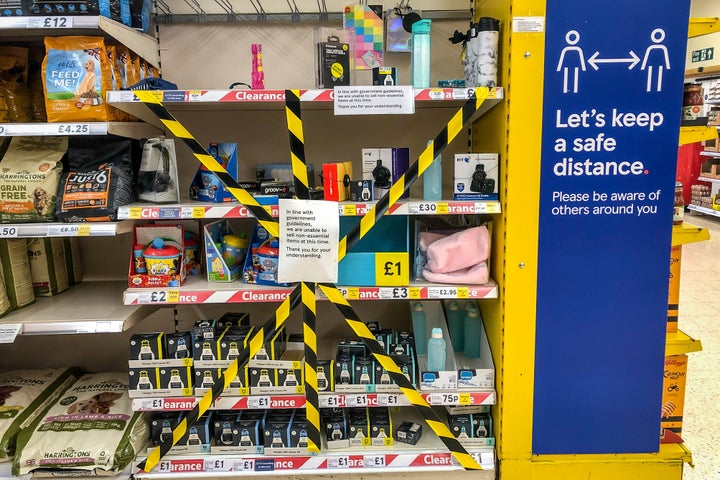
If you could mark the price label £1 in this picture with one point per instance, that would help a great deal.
(392, 269)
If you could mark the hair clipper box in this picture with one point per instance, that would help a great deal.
(197, 437)
(162, 426)
(384, 166)
(143, 380)
(178, 345)
(233, 319)
(326, 375)
(381, 432)
(177, 379)
(232, 342)
(205, 350)
(204, 330)
(361, 191)
(358, 427)
(408, 432)
(335, 425)
(476, 176)
(205, 378)
(146, 346)
(276, 430)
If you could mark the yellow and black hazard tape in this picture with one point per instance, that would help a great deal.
(431, 418)
(175, 127)
(312, 401)
(258, 338)
(414, 171)
(297, 143)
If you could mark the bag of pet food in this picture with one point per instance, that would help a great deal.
(5, 305)
(140, 13)
(63, 7)
(73, 262)
(25, 394)
(91, 428)
(29, 175)
(17, 97)
(37, 96)
(135, 77)
(118, 10)
(16, 272)
(47, 266)
(99, 179)
(77, 75)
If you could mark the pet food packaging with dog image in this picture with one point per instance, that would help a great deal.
(92, 427)
(24, 394)
(29, 175)
(77, 74)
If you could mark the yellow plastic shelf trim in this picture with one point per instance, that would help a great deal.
(697, 134)
(678, 343)
(703, 26)
(688, 233)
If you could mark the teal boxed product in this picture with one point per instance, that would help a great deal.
(206, 187)
(225, 252)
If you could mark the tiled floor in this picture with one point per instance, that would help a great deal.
(700, 318)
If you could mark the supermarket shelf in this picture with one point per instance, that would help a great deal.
(35, 28)
(337, 400)
(254, 100)
(429, 455)
(697, 134)
(688, 233)
(710, 154)
(191, 210)
(198, 291)
(123, 129)
(705, 178)
(707, 211)
(6, 474)
(90, 229)
(680, 342)
(61, 314)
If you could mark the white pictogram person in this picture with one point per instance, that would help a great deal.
(571, 57)
(656, 55)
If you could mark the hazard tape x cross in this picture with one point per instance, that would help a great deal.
(304, 293)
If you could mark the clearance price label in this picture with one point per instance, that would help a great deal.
(392, 269)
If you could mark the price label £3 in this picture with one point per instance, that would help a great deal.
(392, 269)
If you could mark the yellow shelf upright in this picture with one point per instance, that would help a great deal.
(703, 26)
(697, 134)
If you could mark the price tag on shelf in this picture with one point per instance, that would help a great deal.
(354, 400)
(259, 402)
(135, 213)
(463, 292)
(353, 293)
(391, 269)
(387, 400)
(80, 230)
(151, 404)
(9, 332)
(173, 296)
(244, 465)
(153, 297)
(349, 210)
(415, 293)
(442, 292)
(50, 22)
(332, 401)
(164, 466)
(374, 461)
(488, 207)
(218, 465)
(8, 231)
(443, 208)
(187, 212)
(69, 128)
(465, 399)
(444, 398)
(198, 212)
(338, 462)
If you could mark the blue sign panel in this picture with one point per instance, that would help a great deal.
(611, 120)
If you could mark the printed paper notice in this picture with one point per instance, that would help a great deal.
(309, 235)
(395, 100)
(9, 331)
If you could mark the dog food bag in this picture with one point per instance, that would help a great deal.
(77, 75)
(29, 175)
(91, 428)
(37, 96)
(99, 179)
(5, 305)
(16, 272)
(25, 394)
(47, 266)
(73, 262)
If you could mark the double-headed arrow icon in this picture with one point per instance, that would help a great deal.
(594, 60)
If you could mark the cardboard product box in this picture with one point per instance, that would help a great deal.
(232, 342)
(336, 180)
(205, 378)
(363, 371)
(179, 345)
(343, 372)
(282, 172)
(352, 348)
(278, 376)
(158, 271)
(261, 262)
(673, 398)
(476, 176)
(204, 330)
(146, 346)
(299, 432)
(384, 166)
(482, 425)
(205, 350)
(205, 186)
(198, 437)
(461, 425)
(235, 434)
(162, 426)
(408, 432)
(326, 375)
(336, 430)
(278, 189)
(220, 265)
(407, 366)
(276, 431)
(381, 428)
(358, 427)
(361, 191)
(233, 319)
(385, 337)
(178, 380)
(274, 349)
(384, 76)
(262, 378)
(143, 380)
(333, 63)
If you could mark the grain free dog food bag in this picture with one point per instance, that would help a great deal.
(47, 266)
(25, 394)
(29, 175)
(5, 305)
(16, 272)
(77, 75)
(91, 428)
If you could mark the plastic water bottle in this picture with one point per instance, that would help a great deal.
(432, 180)
(456, 316)
(473, 330)
(436, 351)
(420, 58)
(420, 329)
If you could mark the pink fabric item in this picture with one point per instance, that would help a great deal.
(476, 275)
(427, 238)
(458, 251)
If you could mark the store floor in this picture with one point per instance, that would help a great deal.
(700, 318)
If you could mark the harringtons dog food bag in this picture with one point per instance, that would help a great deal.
(77, 74)
(91, 427)
(29, 176)
(16, 272)
(48, 267)
(25, 394)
